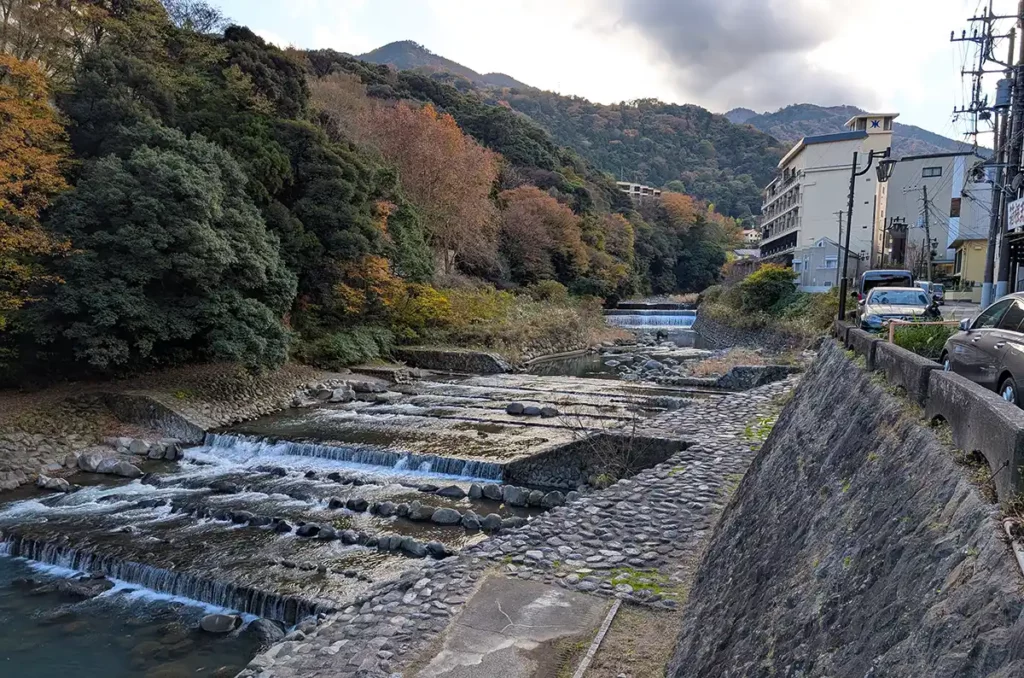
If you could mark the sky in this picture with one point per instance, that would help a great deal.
(882, 55)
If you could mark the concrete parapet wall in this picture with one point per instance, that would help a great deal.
(863, 343)
(981, 422)
(905, 368)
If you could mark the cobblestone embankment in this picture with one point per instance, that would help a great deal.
(638, 540)
(41, 432)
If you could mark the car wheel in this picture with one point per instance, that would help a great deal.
(947, 364)
(1008, 390)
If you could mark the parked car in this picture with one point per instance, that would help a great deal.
(936, 290)
(894, 303)
(869, 280)
(989, 349)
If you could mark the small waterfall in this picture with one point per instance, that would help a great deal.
(680, 318)
(288, 609)
(360, 454)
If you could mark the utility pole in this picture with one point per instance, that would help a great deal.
(839, 243)
(1016, 143)
(927, 231)
(980, 110)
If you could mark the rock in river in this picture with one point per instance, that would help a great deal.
(514, 408)
(453, 491)
(531, 411)
(266, 631)
(220, 623)
(491, 522)
(446, 516)
(54, 484)
(492, 492)
(308, 530)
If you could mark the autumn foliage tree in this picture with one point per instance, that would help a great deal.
(540, 238)
(32, 151)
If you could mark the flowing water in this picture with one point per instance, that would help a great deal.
(125, 633)
(210, 528)
(651, 318)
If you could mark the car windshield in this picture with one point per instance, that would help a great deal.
(937, 287)
(898, 297)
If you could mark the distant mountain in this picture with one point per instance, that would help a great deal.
(792, 123)
(406, 55)
(738, 116)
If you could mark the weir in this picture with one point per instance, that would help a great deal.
(269, 605)
(678, 318)
(357, 454)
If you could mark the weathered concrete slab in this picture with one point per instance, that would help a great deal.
(863, 343)
(905, 368)
(509, 628)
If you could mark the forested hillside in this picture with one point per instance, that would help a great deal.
(174, 190)
(792, 123)
(681, 147)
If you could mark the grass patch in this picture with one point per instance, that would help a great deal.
(639, 644)
(648, 580)
(758, 430)
(719, 365)
(924, 340)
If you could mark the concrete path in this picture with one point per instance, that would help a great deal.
(513, 629)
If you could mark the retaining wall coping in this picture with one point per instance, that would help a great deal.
(840, 328)
(905, 368)
(863, 343)
(981, 421)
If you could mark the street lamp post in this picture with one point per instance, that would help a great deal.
(884, 171)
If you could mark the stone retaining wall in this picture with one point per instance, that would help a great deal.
(980, 420)
(143, 410)
(854, 546)
(569, 466)
(720, 335)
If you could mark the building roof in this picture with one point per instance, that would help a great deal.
(963, 241)
(849, 122)
(820, 139)
(928, 156)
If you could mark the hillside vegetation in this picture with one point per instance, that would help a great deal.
(792, 123)
(174, 190)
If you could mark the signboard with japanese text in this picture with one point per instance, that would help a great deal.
(1015, 215)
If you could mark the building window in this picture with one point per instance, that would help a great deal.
(931, 172)
(831, 262)
(958, 262)
(798, 266)
(888, 124)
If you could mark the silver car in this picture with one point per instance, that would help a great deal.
(989, 349)
(893, 303)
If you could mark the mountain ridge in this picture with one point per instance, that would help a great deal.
(407, 55)
(792, 123)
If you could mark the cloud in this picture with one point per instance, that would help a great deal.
(756, 53)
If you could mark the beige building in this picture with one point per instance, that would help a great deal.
(958, 210)
(806, 201)
(751, 236)
(969, 261)
(639, 193)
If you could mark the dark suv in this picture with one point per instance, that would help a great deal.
(989, 350)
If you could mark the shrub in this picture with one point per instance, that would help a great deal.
(548, 290)
(766, 287)
(924, 340)
(336, 350)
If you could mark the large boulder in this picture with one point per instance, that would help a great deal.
(491, 522)
(327, 533)
(367, 387)
(453, 491)
(548, 412)
(535, 498)
(386, 508)
(514, 408)
(220, 623)
(53, 484)
(308, 530)
(475, 491)
(531, 411)
(553, 499)
(357, 504)
(342, 394)
(267, 632)
(446, 516)
(127, 470)
(90, 461)
(108, 466)
(437, 549)
(470, 520)
(418, 511)
(514, 496)
(413, 547)
(492, 492)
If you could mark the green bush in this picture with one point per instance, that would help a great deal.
(712, 294)
(348, 347)
(548, 290)
(924, 340)
(767, 287)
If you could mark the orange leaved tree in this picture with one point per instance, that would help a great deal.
(32, 149)
(540, 237)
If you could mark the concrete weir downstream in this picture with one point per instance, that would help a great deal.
(297, 514)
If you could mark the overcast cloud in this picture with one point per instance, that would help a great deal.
(753, 53)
